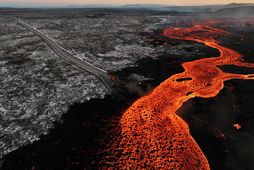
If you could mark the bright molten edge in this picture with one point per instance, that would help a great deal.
(153, 135)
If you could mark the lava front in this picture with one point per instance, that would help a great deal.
(153, 135)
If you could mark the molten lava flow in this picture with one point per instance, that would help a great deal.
(237, 126)
(154, 136)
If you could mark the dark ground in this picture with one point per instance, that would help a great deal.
(211, 120)
(88, 128)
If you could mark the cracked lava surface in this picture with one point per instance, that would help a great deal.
(153, 135)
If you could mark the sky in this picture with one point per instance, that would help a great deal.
(117, 2)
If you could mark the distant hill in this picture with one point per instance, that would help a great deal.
(236, 12)
(143, 5)
(189, 9)
(240, 4)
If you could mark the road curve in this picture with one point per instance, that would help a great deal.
(61, 52)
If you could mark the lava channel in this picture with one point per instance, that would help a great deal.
(153, 135)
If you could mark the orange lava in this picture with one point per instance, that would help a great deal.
(153, 135)
(237, 126)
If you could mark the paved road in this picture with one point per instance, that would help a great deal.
(61, 52)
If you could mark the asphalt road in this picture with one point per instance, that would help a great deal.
(81, 64)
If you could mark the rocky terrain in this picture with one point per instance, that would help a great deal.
(37, 86)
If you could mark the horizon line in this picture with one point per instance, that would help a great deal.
(60, 5)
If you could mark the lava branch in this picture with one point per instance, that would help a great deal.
(153, 135)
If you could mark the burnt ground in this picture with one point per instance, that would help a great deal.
(88, 128)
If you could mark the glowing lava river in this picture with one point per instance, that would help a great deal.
(153, 135)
